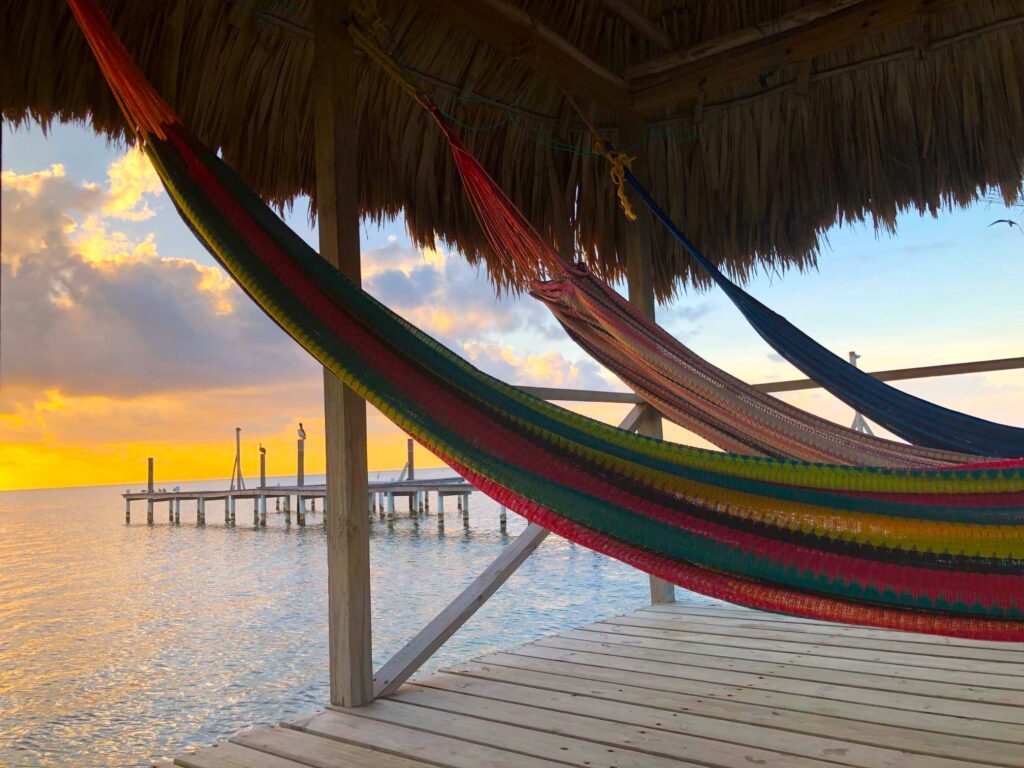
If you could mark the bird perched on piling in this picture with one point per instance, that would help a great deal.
(302, 432)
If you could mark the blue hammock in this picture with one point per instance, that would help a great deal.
(912, 418)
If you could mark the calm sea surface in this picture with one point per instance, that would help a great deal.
(120, 644)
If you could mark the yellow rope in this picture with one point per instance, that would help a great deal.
(618, 160)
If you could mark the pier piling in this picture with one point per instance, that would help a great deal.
(127, 511)
(149, 490)
(200, 511)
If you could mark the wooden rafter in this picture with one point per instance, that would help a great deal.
(748, 54)
(516, 33)
(628, 12)
(757, 33)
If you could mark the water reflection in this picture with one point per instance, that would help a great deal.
(120, 643)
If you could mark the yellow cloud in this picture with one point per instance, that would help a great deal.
(214, 281)
(130, 177)
(31, 182)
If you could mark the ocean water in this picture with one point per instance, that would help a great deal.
(121, 644)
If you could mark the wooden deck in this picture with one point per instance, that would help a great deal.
(679, 685)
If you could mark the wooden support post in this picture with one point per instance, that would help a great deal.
(231, 510)
(263, 467)
(263, 513)
(257, 505)
(127, 512)
(227, 510)
(177, 511)
(170, 511)
(391, 506)
(409, 461)
(300, 463)
(638, 245)
(200, 511)
(440, 511)
(300, 511)
(335, 72)
(465, 510)
(503, 519)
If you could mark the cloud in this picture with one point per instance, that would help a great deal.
(92, 311)
(130, 178)
(448, 298)
(548, 369)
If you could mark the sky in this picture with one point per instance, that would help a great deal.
(121, 339)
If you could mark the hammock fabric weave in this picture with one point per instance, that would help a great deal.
(919, 550)
(919, 421)
(682, 386)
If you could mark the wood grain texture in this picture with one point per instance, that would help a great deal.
(348, 538)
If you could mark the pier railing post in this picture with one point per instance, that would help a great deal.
(149, 490)
(335, 68)
(638, 247)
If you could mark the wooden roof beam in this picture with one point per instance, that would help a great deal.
(628, 12)
(747, 54)
(517, 34)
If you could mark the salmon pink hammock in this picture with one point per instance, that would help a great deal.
(938, 551)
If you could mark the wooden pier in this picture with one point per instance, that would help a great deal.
(381, 500)
(679, 685)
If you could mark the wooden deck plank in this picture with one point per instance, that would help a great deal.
(694, 746)
(944, 741)
(646, 723)
(905, 715)
(679, 686)
(848, 674)
(728, 627)
(765, 681)
(230, 755)
(910, 665)
(312, 750)
(439, 749)
(514, 738)
(738, 613)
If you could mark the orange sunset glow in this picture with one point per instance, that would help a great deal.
(116, 348)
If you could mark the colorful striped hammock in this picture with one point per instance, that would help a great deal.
(920, 550)
(685, 388)
(919, 421)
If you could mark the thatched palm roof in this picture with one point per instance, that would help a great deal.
(763, 122)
